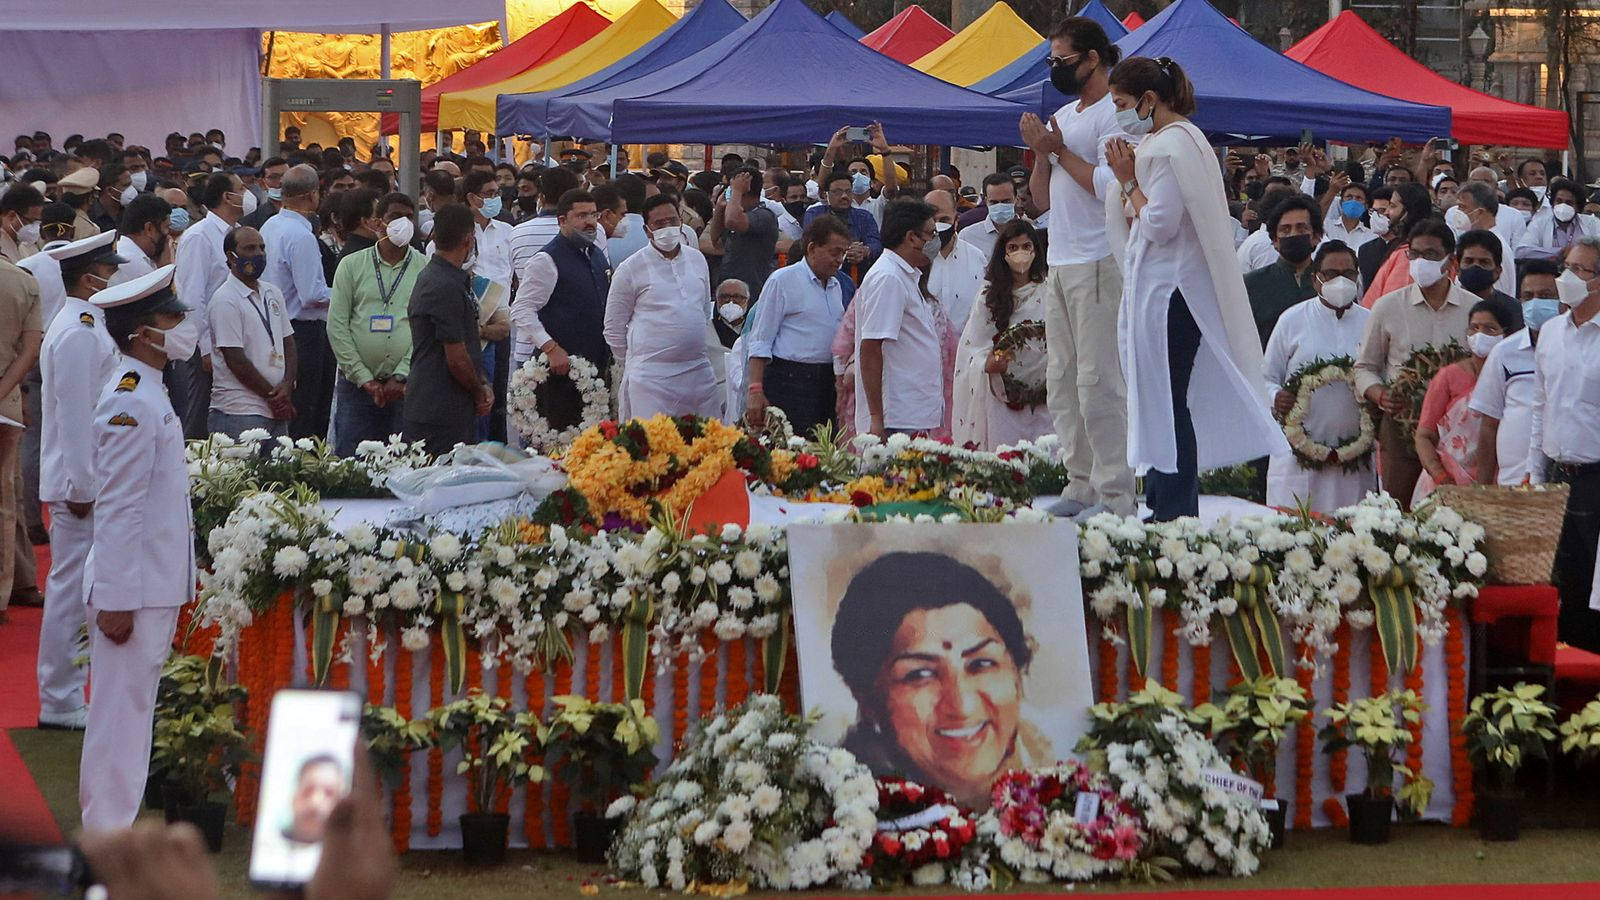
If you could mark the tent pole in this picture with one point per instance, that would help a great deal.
(614, 172)
(707, 165)
(383, 72)
(1333, 10)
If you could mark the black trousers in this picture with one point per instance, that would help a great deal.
(313, 386)
(1172, 495)
(804, 391)
(1578, 625)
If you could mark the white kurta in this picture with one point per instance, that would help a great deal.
(956, 281)
(1179, 241)
(1309, 331)
(656, 318)
(980, 415)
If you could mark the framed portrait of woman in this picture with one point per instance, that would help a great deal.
(944, 653)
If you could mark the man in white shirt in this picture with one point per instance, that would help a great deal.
(1257, 250)
(628, 235)
(202, 267)
(657, 313)
(1480, 207)
(775, 185)
(1565, 445)
(790, 336)
(898, 342)
(1557, 223)
(145, 240)
(253, 356)
(1000, 199)
(1086, 391)
(956, 278)
(1345, 220)
(294, 267)
(1504, 393)
(531, 235)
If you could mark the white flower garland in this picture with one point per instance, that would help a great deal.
(524, 409)
(1312, 453)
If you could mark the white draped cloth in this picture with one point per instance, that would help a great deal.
(1306, 332)
(1181, 241)
(980, 415)
(656, 318)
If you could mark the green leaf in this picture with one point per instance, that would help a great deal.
(1242, 640)
(1139, 626)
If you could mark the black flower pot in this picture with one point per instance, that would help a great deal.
(593, 835)
(483, 838)
(1369, 818)
(1499, 815)
(205, 815)
(1277, 821)
(154, 790)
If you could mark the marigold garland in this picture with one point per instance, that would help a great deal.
(533, 794)
(1304, 754)
(1455, 656)
(560, 833)
(435, 755)
(339, 676)
(1169, 648)
(709, 646)
(400, 823)
(626, 468)
(1339, 762)
(1108, 671)
(1413, 682)
(1380, 667)
(680, 698)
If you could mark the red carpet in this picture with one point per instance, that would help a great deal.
(24, 817)
(1425, 892)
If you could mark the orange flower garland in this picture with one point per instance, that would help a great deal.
(560, 834)
(708, 673)
(1455, 657)
(474, 682)
(1414, 749)
(1200, 656)
(619, 677)
(400, 825)
(680, 698)
(435, 755)
(1169, 649)
(1338, 762)
(1304, 755)
(533, 794)
(1108, 671)
(607, 476)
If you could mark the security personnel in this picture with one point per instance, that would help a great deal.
(74, 364)
(141, 561)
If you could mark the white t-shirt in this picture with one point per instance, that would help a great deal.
(893, 310)
(1505, 392)
(1078, 223)
(257, 322)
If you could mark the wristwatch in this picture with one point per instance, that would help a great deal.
(1129, 186)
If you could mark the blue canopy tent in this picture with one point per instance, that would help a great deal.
(1031, 68)
(843, 23)
(1247, 92)
(708, 22)
(714, 97)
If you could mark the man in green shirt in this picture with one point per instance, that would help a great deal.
(369, 330)
(1295, 224)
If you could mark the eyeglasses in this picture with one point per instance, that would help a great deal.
(1583, 272)
(1329, 275)
(1055, 62)
(1429, 255)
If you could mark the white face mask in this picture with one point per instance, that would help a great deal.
(1131, 122)
(246, 201)
(399, 231)
(1427, 273)
(28, 234)
(1564, 212)
(1458, 220)
(1480, 343)
(1527, 215)
(1378, 222)
(1339, 292)
(1571, 288)
(730, 312)
(666, 239)
(128, 195)
(140, 179)
(1538, 191)
(179, 341)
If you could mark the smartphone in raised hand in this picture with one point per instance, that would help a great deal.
(306, 770)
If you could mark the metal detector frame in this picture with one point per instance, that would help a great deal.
(382, 95)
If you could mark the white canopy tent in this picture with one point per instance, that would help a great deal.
(148, 67)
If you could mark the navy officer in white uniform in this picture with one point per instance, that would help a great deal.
(141, 561)
(74, 363)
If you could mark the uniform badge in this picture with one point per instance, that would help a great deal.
(124, 420)
(128, 383)
(86, 319)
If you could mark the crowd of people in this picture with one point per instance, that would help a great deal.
(1130, 290)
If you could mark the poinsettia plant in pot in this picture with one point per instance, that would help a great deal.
(497, 748)
(1504, 729)
(602, 751)
(1249, 724)
(1378, 728)
(198, 746)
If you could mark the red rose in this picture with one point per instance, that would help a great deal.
(806, 461)
(609, 429)
(888, 843)
(860, 498)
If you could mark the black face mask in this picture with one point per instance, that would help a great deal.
(1065, 79)
(1296, 248)
(1475, 278)
(946, 236)
(797, 208)
(528, 204)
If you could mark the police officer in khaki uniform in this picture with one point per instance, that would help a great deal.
(74, 364)
(140, 567)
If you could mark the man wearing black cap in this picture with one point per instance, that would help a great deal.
(74, 363)
(140, 566)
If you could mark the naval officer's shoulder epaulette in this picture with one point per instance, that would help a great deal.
(128, 382)
(86, 319)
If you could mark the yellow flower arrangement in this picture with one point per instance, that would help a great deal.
(870, 490)
(602, 466)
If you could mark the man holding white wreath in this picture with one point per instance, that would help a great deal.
(1323, 418)
(657, 313)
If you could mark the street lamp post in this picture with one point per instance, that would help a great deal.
(1478, 43)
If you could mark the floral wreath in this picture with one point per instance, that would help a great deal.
(921, 834)
(1019, 394)
(661, 464)
(1350, 453)
(1065, 822)
(1410, 383)
(524, 407)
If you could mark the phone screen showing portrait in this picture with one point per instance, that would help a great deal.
(306, 771)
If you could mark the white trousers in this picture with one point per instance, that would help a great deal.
(116, 745)
(61, 682)
(1084, 387)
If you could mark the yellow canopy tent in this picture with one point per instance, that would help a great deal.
(523, 16)
(981, 49)
(474, 109)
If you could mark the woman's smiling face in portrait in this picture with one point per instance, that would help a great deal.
(952, 697)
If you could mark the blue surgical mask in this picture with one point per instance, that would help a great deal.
(275, 194)
(179, 220)
(1353, 209)
(860, 183)
(1540, 310)
(1132, 123)
(491, 207)
(1001, 213)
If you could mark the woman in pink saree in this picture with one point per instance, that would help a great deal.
(1447, 431)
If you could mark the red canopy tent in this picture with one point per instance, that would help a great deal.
(1350, 50)
(909, 36)
(1133, 20)
(576, 24)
